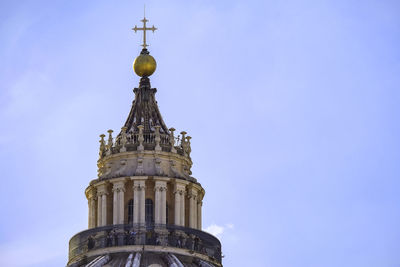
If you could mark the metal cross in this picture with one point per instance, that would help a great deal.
(144, 29)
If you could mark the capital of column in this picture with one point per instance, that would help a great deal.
(160, 188)
(119, 186)
(118, 189)
(192, 193)
(90, 192)
(179, 192)
(192, 196)
(180, 187)
(200, 195)
(102, 189)
(139, 187)
(160, 185)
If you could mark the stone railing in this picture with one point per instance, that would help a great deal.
(139, 141)
(156, 235)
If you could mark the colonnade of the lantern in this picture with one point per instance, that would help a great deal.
(184, 193)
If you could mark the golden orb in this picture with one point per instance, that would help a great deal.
(144, 65)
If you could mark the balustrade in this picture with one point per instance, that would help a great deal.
(148, 234)
(132, 141)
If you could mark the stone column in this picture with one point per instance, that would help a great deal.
(139, 195)
(160, 189)
(121, 207)
(92, 223)
(115, 205)
(99, 209)
(118, 204)
(102, 204)
(177, 208)
(199, 206)
(157, 198)
(142, 211)
(192, 207)
(182, 200)
(91, 197)
(179, 191)
(164, 204)
(136, 189)
(104, 209)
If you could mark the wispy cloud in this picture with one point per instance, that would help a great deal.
(218, 230)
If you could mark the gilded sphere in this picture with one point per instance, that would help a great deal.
(144, 65)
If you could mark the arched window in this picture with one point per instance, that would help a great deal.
(130, 211)
(149, 211)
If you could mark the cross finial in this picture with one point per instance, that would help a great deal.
(144, 29)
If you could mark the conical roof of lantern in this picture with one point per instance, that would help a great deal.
(145, 110)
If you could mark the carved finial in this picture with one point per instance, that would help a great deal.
(102, 145)
(188, 148)
(157, 138)
(109, 142)
(123, 139)
(183, 133)
(172, 140)
(140, 138)
(183, 142)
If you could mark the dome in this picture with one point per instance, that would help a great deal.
(144, 65)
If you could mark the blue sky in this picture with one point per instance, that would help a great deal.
(293, 107)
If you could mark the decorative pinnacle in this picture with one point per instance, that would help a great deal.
(144, 29)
